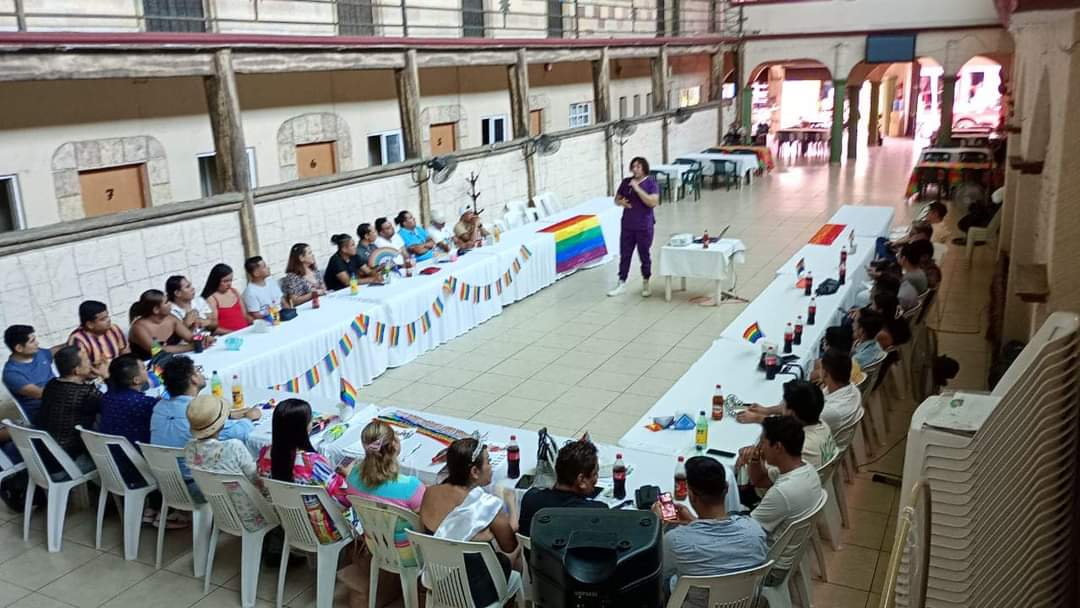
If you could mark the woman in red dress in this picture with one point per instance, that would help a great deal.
(224, 300)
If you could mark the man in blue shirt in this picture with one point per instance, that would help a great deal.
(715, 542)
(125, 408)
(417, 241)
(28, 369)
(169, 423)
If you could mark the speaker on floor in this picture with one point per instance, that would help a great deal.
(590, 558)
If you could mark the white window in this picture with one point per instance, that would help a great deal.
(580, 114)
(493, 130)
(690, 96)
(385, 148)
(622, 107)
(208, 172)
(11, 213)
(648, 103)
(637, 105)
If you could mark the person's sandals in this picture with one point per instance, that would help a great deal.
(174, 521)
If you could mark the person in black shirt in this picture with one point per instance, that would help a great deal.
(69, 400)
(343, 264)
(576, 471)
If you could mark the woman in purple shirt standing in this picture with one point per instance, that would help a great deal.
(637, 195)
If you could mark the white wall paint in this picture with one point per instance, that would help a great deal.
(577, 172)
(858, 15)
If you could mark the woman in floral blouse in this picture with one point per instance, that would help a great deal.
(302, 277)
(290, 457)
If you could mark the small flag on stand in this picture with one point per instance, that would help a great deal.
(348, 393)
(800, 266)
(753, 333)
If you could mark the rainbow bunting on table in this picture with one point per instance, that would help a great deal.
(437, 307)
(516, 266)
(507, 279)
(346, 345)
(410, 332)
(800, 266)
(498, 287)
(450, 286)
(476, 295)
(331, 361)
(578, 241)
(380, 332)
(394, 331)
(425, 322)
(348, 393)
(464, 295)
(525, 253)
(312, 377)
(359, 326)
(292, 386)
(753, 333)
(487, 292)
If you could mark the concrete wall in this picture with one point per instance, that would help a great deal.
(696, 134)
(501, 179)
(577, 172)
(859, 15)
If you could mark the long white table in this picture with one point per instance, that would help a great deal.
(716, 263)
(868, 221)
(745, 164)
(732, 361)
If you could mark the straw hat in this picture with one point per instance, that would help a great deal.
(207, 414)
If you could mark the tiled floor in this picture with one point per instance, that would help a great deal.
(571, 359)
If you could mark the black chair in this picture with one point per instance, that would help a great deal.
(663, 180)
(728, 171)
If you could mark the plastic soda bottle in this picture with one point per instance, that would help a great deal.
(215, 385)
(680, 479)
(718, 404)
(237, 392)
(513, 459)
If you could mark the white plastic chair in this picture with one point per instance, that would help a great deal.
(987, 233)
(165, 465)
(787, 552)
(868, 424)
(28, 441)
(215, 487)
(550, 202)
(288, 500)
(112, 482)
(526, 575)
(514, 215)
(379, 521)
(735, 590)
(832, 518)
(9, 468)
(443, 564)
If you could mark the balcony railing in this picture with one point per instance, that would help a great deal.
(380, 18)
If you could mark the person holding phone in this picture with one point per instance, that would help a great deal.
(714, 542)
(638, 195)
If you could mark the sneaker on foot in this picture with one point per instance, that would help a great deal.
(645, 291)
(619, 289)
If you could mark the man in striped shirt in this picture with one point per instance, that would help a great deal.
(98, 337)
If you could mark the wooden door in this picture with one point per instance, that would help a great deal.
(114, 189)
(536, 122)
(443, 138)
(315, 160)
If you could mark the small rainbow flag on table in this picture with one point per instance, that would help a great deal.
(348, 393)
(578, 241)
(753, 333)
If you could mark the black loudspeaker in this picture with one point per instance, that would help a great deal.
(586, 558)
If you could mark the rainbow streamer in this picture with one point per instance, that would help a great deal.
(359, 328)
(425, 322)
(410, 332)
(464, 295)
(437, 307)
(346, 345)
(578, 241)
(498, 287)
(292, 386)
(348, 393)
(753, 333)
(476, 295)
(312, 377)
(487, 292)
(331, 361)
(394, 331)
(439, 432)
(380, 332)
(516, 266)
(525, 253)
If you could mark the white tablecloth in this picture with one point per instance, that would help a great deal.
(290, 349)
(675, 172)
(405, 300)
(692, 261)
(865, 220)
(334, 450)
(824, 261)
(536, 273)
(746, 164)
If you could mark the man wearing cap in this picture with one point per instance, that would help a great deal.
(469, 232)
(169, 425)
(438, 232)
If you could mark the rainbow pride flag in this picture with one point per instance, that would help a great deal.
(827, 234)
(348, 393)
(578, 241)
(753, 333)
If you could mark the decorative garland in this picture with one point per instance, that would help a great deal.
(361, 325)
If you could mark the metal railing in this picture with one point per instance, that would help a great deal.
(391, 18)
(910, 523)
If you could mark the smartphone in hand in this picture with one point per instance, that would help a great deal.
(667, 507)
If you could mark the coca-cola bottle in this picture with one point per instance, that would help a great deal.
(618, 473)
(681, 490)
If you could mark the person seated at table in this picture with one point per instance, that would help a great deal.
(469, 232)
(886, 279)
(894, 333)
(713, 543)
(926, 226)
(796, 490)
(68, 400)
(386, 236)
(840, 338)
(224, 300)
(914, 282)
(193, 310)
(261, 293)
(443, 238)
(805, 401)
(417, 241)
(459, 509)
(347, 263)
(302, 278)
(169, 425)
(154, 328)
(209, 449)
(843, 401)
(125, 409)
(97, 335)
(28, 369)
(576, 470)
(865, 329)
(290, 457)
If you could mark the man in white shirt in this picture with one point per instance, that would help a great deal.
(803, 400)
(797, 489)
(843, 402)
(260, 293)
(437, 230)
(388, 237)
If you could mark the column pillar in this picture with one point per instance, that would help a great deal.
(836, 135)
(407, 81)
(660, 95)
(716, 87)
(948, 96)
(872, 131)
(888, 94)
(230, 158)
(518, 76)
(853, 121)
